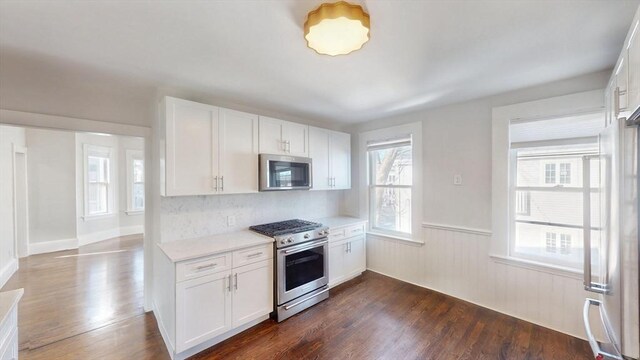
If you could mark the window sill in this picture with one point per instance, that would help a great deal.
(538, 266)
(134, 212)
(395, 237)
(98, 216)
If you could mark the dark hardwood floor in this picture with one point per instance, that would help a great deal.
(90, 307)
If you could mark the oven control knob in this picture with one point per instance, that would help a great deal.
(306, 236)
(290, 240)
(283, 242)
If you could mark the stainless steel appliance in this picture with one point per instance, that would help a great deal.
(301, 267)
(281, 172)
(616, 281)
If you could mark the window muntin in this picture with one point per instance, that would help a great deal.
(390, 187)
(550, 173)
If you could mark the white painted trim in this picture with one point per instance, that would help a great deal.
(462, 229)
(7, 271)
(131, 230)
(98, 216)
(95, 237)
(391, 237)
(52, 246)
(20, 150)
(134, 212)
(479, 304)
(538, 266)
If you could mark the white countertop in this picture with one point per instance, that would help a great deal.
(339, 221)
(9, 300)
(208, 245)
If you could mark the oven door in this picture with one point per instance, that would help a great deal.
(302, 269)
(278, 172)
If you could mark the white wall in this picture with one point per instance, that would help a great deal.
(455, 258)
(51, 185)
(9, 136)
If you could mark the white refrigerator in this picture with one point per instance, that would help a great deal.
(614, 281)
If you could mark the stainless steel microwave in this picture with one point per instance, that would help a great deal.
(282, 172)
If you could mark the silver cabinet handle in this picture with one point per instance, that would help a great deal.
(208, 266)
(595, 347)
(254, 255)
(287, 144)
(330, 183)
(221, 183)
(589, 285)
(229, 286)
(306, 247)
(305, 299)
(236, 281)
(214, 183)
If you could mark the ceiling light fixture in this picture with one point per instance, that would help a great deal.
(337, 29)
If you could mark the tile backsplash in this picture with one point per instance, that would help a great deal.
(186, 217)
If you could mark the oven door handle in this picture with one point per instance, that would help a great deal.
(306, 247)
(305, 299)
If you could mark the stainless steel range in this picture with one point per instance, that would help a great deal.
(301, 264)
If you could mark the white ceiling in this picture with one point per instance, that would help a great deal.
(421, 53)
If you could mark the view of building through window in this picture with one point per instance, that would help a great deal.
(390, 188)
(549, 194)
(98, 184)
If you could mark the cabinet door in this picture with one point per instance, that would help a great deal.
(296, 137)
(633, 56)
(340, 150)
(337, 254)
(319, 153)
(271, 136)
(252, 292)
(191, 148)
(238, 152)
(203, 309)
(355, 262)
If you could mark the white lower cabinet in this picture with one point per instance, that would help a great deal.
(203, 309)
(347, 256)
(214, 298)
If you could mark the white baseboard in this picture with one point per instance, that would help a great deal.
(163, 331)
(7, 271)
(52, 246)
(91, 238)
(131, 230)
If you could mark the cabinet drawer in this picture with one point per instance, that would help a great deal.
(355, 230)
(204, 266)
(252, 255)
(336, 234)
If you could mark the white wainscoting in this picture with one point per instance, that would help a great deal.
(456, 261)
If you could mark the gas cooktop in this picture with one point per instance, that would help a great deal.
(285, 227)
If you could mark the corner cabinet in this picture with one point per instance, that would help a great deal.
(331, 155)
(201, 149)
(347, 253)
(283, 137)
(215, 297)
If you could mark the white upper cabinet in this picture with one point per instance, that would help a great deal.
(633, 68)
(191, 148)
(319, 153)
(208, 150)
(331, 154)
(283, 137)
(238, 152)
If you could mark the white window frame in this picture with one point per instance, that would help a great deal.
(415, 131)
(578, 103)
(98, 151)
(132, 155)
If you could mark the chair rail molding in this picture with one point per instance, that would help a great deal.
(456, 228)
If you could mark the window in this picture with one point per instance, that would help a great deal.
(550, 173)
(98, 187)
(551, 242)
(549, 190)
(390, 185)
(135, 181)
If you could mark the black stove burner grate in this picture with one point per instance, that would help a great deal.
(285, 227)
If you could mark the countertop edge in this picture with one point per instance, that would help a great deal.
(17, 295)
(174, 259)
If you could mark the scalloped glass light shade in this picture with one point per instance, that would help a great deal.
(337, 29)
